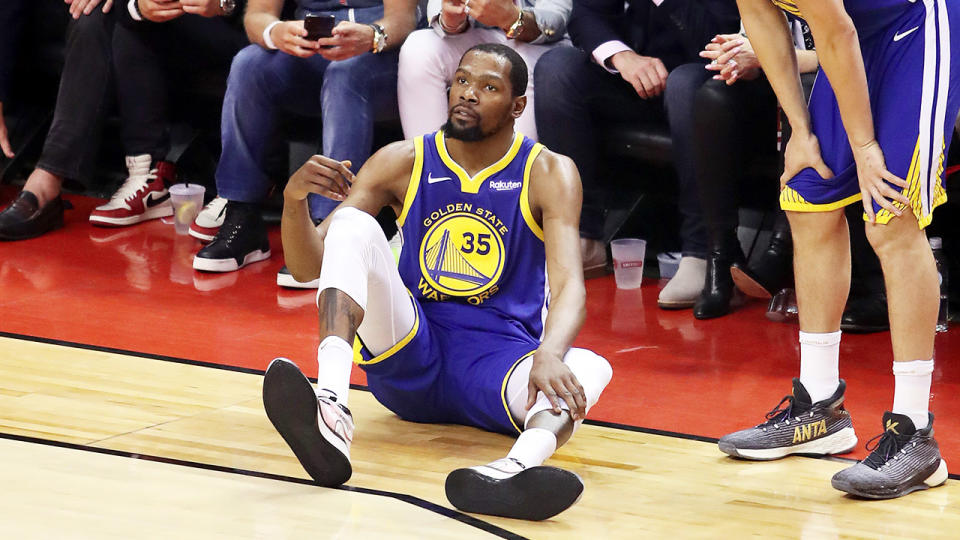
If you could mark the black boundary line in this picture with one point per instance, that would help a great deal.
(409, 499)
(599, 423)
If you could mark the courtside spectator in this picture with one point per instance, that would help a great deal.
(626, 53)
(429, 57)
(349, 80)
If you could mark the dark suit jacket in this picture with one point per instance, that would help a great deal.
(11, 22)
(675, 32)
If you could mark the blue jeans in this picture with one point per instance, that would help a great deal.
(348, 95)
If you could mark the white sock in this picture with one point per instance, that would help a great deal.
(911, 395)
(820, 364)
(335, 360)
(533, 447)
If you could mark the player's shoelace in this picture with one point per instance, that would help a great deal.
(781, 413)
(885, 446)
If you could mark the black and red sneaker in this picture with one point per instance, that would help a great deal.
(143, 196)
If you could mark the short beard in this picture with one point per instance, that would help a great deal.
(470, 134)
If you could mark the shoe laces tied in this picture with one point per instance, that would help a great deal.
(780, 413)
(884, 447)
(132, 186)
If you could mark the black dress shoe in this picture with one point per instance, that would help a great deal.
(773, 272)
(718, 291)
(866, 314)
(25, 219)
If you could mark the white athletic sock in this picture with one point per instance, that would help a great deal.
(335, 360)
(820, 364)
(911, 395)
(533, 447)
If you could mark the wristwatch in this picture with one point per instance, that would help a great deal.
(379, 38)
(228, 7)
(517, 27)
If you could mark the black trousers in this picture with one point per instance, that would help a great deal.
(152, 60)
(84, 96)
(733, 126)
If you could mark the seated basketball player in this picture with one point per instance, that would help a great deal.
(459, 333)
(875, 132)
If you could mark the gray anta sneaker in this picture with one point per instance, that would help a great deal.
(796, 426)
(904, 459)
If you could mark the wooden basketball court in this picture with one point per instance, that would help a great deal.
(130, 408)
(106, 445)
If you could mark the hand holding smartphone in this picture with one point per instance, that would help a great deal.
(318, 26)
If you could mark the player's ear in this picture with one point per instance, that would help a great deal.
(519, 104)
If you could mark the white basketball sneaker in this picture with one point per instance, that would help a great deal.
(209, 220)
(318, 429)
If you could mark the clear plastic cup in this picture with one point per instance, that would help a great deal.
(187, 202)
(628, 254)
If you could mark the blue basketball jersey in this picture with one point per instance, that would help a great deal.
(473, 255)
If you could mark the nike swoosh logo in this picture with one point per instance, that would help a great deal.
(432, 180)
(154, 201)
(900, 36)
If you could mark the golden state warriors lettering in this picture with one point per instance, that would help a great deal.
(462, 253)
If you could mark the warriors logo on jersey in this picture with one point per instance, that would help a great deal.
(462, 254)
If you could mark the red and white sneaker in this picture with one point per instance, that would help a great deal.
(142, 196)
(209, 221)
(318, 429)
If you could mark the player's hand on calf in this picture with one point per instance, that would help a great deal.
(291, 38)
(803, 151)
(323, 176)
(204, 8)
(646, 74)
(552, 377)
(160, 10)
(873, 176)
(86, 7)
(348, 39)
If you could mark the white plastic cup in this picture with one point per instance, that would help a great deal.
(628, 256)
(187, 202)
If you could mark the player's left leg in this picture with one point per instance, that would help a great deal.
(907, 457)
(518, 485)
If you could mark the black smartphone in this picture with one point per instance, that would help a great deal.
(318, 26)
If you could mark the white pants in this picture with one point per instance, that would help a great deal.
(357, 261)
(427, 64)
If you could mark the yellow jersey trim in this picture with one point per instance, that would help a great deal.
(503, 389)
(525, 193)
(913, 192)
(472, 185)
(398, 346)
(791, 201)
(789, 7)
(414, 184)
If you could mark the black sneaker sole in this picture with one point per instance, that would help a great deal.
(291, 406)
(535, 494)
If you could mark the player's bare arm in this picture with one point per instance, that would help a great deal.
(770, 35)
(382, 181)
(555, 198)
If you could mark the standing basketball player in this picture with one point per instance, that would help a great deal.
(878, 124)
(459, 333)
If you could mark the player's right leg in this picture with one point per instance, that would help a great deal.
(812, 420)
(360, 291)
(519, 485)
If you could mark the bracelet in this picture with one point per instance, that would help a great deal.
(456, 30)
(266, 36)
(133, 7)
